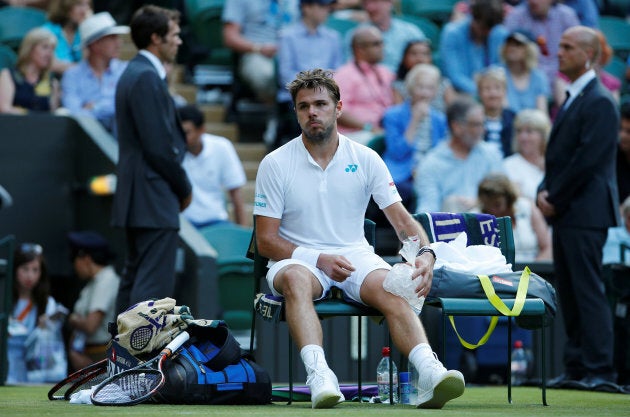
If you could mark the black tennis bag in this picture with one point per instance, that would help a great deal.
(211, 368)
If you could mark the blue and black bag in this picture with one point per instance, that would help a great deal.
(211, 368)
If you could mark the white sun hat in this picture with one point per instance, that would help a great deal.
(97, 26)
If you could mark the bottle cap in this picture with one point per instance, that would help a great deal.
(386, 351)
(404, 377)
(518, 344)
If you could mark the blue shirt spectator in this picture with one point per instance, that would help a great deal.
(398, 152)
(450, 173)
(307, 44)
(586, 10)
(471, 44)
(89, 88)
(81, 86)
(528, 98)
(65, 51)
(64, 18)
(397, 33)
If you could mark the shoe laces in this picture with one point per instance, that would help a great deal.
(317, 377)
(432, 367)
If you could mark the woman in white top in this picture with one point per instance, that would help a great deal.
(526, 166)
(532, 237)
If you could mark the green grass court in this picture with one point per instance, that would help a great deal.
(476, 401)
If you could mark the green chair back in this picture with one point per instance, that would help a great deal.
(235, 272)
(430, 29)
(7, 57)
(617, 32)
(438, 11)
(206, 25)
(15, 22)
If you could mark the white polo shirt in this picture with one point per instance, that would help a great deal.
(214, 171)
(322, 209)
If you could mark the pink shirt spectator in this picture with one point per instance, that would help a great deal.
(366, 91)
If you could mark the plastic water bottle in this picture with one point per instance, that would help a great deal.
(382, 377)
(519, 364)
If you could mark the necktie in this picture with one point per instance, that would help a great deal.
(566, 100)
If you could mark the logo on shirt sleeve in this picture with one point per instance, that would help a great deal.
(392, 188)
(260, 200)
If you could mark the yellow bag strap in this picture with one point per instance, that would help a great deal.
(495, 300)
(484, 338)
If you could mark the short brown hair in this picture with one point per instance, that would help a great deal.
(148, 20)
(314, 79)
(487, 12)
(59, 11)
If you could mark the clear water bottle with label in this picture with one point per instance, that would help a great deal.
(519, 364)
(382, 377)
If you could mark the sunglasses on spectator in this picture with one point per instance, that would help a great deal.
(31, 248)
(372, 43)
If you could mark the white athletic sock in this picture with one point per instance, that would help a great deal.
(419, 354)
(314, 358)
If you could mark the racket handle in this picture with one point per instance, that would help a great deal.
(175, 344)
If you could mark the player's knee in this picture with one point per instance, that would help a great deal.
(294, 281)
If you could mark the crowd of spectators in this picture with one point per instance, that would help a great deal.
(500, 55)
(464, 124)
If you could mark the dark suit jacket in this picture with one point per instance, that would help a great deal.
(151, 180)
(580, 161)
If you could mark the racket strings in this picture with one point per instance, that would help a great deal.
(130, 386)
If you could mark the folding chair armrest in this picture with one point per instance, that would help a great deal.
(483, 307)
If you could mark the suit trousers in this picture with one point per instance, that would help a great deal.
(149, 270)
(587, 315)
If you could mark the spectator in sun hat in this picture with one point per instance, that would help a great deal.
(527, 85)
(91, 258)
(88, 88)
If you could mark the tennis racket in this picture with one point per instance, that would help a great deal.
(137, 384)
(83, 378)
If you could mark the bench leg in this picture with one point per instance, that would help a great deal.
(509, 361)
(290, 371)
(360, 358)
(543, 364)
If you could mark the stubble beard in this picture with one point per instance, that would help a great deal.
(318, 135)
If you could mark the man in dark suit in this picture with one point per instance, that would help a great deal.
(152, 185)
(578, 195)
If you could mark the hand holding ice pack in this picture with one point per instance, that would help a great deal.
(398, 280)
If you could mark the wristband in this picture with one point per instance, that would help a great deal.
(426, 249)
(307, 255)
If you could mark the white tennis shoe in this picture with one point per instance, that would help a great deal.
(324, 386)
(437, 385)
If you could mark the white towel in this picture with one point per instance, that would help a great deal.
(474, 259)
